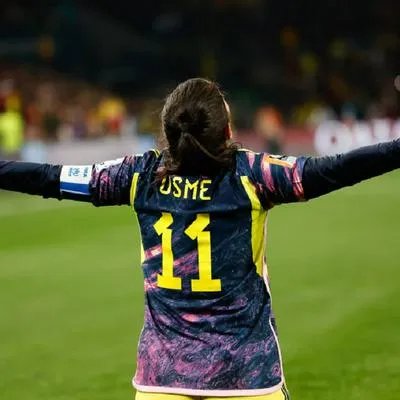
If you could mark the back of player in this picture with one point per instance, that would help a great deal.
(208, 328)
(202, 206)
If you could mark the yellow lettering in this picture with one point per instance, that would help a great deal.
(191, 186)
(205, 283)
(167, 279)
(196, 231)
(163, 188)
(178, 187)
(204, 189)
(176, 180)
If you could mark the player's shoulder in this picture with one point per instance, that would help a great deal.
(147, 161)
(253, 158)
(245, 160)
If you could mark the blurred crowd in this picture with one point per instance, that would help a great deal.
(282, 63)
(44, 106)
(40, 106)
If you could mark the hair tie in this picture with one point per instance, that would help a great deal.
(185, 135)
(184, 127)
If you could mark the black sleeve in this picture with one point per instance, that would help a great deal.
(31, 178)
(325, 174)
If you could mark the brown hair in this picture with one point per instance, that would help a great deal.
(196, 123)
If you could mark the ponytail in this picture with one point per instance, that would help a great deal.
(195, 120)
(194, 143)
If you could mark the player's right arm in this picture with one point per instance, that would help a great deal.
(103, 184)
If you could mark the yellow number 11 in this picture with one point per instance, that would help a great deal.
(196, 230)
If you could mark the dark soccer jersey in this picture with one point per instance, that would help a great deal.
(209, 327)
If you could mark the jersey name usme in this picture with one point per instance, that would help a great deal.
(185, 188)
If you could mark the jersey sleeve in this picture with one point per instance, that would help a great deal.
(278, 178)
(323, 175)
(104, 184)
(31, 178)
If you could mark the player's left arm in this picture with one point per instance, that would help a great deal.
(322, 175)
(289, 179)
(108, 183)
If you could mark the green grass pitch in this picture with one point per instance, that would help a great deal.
(71, 296)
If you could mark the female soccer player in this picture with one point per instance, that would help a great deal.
(202, 204)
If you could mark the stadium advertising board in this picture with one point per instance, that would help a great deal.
(333, 137)
(337, 137)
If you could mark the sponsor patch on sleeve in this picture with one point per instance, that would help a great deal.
(283, 161)
(107, 164)
(75, 179)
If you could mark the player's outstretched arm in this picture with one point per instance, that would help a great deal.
(289, 179)
(322, 175)
(31, 178)
(104, 184)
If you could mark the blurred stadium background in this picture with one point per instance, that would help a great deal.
(82, 82)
